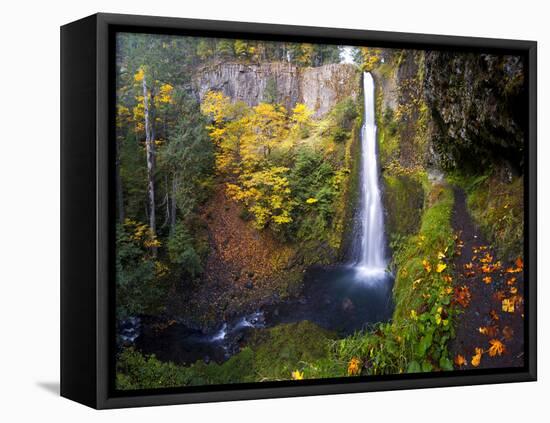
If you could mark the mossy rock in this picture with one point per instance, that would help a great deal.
(403, 200)
(288, 347)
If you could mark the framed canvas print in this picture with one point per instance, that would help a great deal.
(254, 211)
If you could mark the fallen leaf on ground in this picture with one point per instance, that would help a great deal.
(519, 263)
(508, 305)
(460, 360)
(462, 296)
(497, 347)
(499, 295)
(297, 375)
(487, 279)
(494, 315)
(476, 359)
(427, 266)
(488, 330)
(488, 258)
(440, 267)
(508, 332)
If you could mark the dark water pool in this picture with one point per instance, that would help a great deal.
(340, 298)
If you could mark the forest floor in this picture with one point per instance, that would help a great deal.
(245, 269)
(489, 296)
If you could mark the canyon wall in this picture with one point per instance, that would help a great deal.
(320, 88)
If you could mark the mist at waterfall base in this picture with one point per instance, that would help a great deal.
(342, 298)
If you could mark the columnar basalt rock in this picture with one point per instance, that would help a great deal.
(320, 88)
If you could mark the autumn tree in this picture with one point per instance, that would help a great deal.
(368, 57)
(228, 125)
(268, 125)
(266, 195)
(301, 120)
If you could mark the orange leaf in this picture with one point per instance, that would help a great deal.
(499, 295)
(462, 296)
(476, 359)
(460, 360)
(497, 347)
(519, 263)
(354, 366)
(488, 330)
(427, 266)
(487, 279)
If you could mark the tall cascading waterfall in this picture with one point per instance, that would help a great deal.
(370, 256)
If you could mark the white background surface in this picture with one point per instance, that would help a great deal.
(29, 210)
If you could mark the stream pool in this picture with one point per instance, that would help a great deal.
(340, 298)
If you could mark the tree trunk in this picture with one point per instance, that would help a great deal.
(150, 154)
(173, 204)
(166, 202)
(119, 193)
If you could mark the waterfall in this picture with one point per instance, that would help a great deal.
(370, 256)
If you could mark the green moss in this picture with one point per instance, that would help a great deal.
(135, 371)
(435, 235)
(495, 200)
(289, 347)
(403, 199)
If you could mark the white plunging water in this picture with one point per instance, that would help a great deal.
(370, 258)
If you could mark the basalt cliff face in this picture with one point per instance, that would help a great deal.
(476, 101)
(319, 88)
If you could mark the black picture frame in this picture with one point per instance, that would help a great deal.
(87, 196)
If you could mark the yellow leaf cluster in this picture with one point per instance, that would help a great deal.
(297, 375)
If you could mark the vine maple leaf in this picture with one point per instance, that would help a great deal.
(462, 296)
(354, 366)
(519, 263)
(497, 347)
(440, 267)
(427, 266)
(508, 305)
(460, 360)
(476, 359)
(490, 331)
